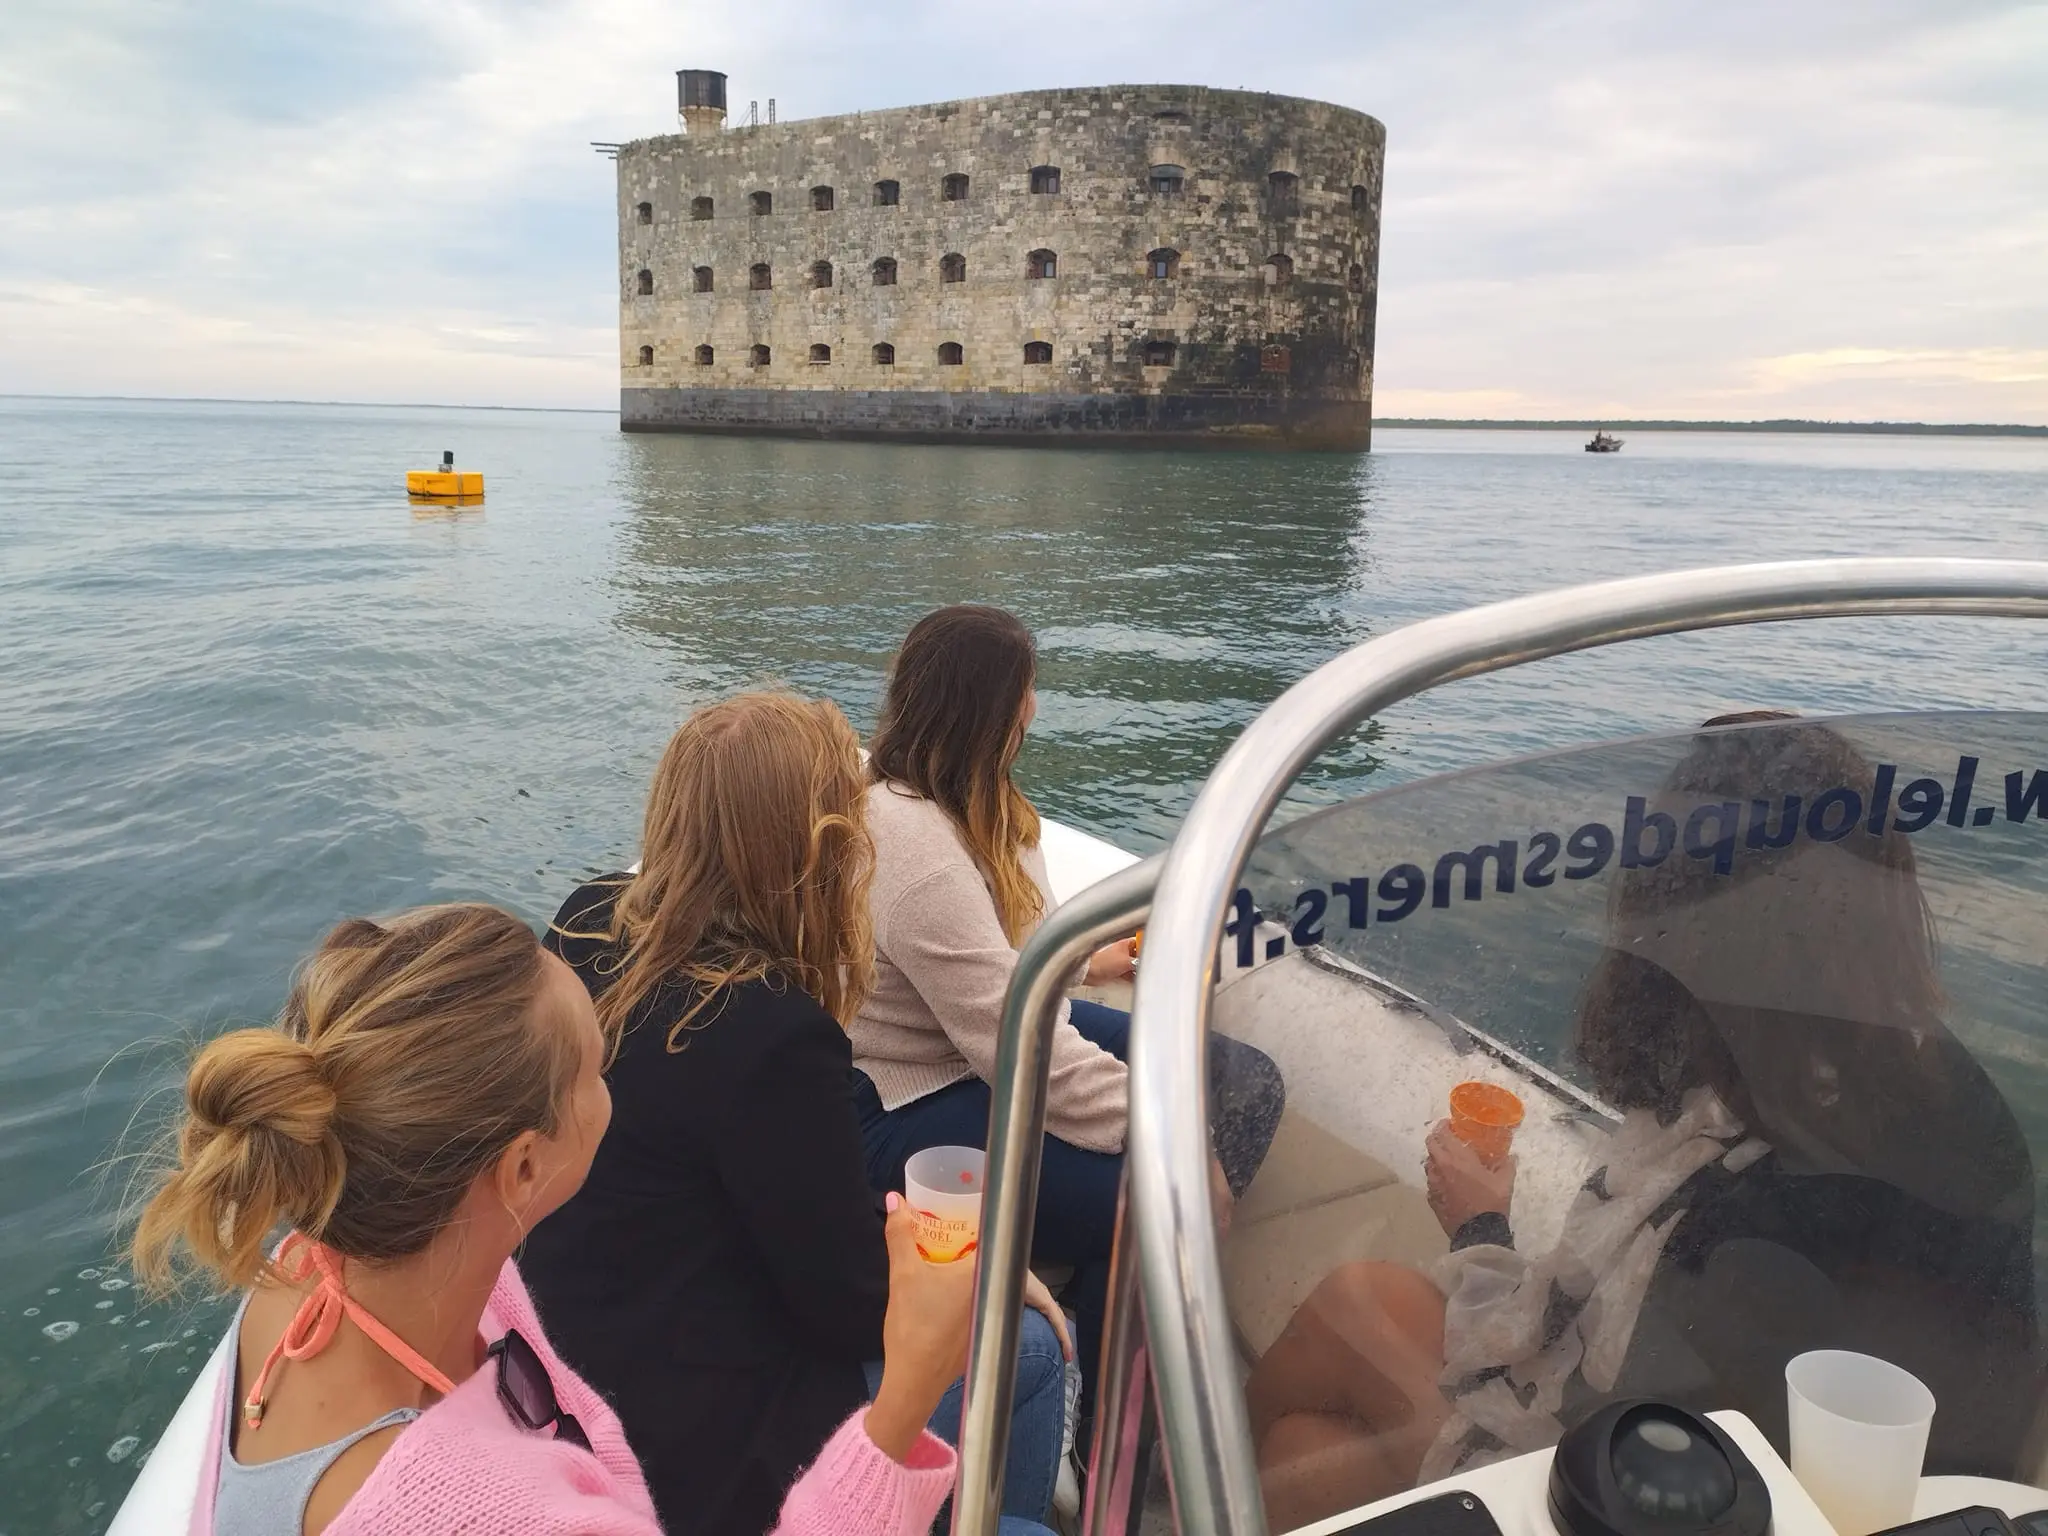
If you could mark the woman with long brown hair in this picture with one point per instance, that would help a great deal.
(1808, 1158)
(960, 884)
(723, 1276)
(433, 1089)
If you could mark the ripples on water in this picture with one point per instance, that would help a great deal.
(247, 691)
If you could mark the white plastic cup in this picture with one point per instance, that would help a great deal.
(1859, 1437)
(943, 1186)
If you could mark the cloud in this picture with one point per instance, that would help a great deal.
(1977, 365)
(1592, 206)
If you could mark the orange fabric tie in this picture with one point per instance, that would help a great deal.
(313, 1326)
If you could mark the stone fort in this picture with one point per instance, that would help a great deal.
(1134, 263)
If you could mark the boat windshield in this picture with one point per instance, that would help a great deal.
(1636, 1070)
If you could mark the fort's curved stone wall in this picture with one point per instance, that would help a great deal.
(1230, 346)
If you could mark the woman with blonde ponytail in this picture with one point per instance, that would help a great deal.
(723, 1275)
(959, 885)
(363, 1170)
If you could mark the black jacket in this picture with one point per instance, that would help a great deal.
(722, 1275)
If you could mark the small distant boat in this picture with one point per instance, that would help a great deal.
(1602, 443)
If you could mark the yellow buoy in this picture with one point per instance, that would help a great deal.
(446, 483)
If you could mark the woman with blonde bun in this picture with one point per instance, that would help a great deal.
(432, 1090)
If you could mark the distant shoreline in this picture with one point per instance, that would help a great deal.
(1430, 423)
(1780, 424)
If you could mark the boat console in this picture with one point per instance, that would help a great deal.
(1768, 997)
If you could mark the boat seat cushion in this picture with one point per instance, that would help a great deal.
(1317, 1203)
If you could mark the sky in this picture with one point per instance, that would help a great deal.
(1625, 208)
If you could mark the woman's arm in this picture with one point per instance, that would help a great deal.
(942, 933)
(884, 1473)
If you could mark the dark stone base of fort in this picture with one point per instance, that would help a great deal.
(1051, 420)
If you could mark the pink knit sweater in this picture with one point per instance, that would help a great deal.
(464, 1468)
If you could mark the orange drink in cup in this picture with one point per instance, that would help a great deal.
(1484, 1117)
(943, 1186)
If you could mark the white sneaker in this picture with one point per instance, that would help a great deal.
(1066, 1494)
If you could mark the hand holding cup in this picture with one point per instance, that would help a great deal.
(924, 1336)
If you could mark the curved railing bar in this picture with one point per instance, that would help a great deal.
(1207, 1438)
(1070, 933)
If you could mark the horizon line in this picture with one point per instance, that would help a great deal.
(389, 405)
(1786, 424)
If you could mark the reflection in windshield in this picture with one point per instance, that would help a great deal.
(1772, 980)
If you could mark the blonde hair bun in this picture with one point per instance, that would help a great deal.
(409, 1055)
(261, 1080)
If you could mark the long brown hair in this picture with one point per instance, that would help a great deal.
(755, 863)
(1809, 931)
(1802, 985)
(951, 728)
(408, 1057)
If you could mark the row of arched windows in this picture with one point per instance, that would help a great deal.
(1157, 354)
(1164, 263)
(1283, 189)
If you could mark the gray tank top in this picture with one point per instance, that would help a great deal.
(268, 1498)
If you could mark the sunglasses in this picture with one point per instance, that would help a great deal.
(528, 1394)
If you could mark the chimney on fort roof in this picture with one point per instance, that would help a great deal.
(700, 97)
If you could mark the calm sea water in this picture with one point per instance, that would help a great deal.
(245, 690)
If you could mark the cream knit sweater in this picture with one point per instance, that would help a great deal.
(942, 964)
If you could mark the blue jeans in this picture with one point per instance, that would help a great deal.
(1038, 1425)
(1077, 1189)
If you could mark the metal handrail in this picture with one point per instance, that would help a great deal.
(1206, 1437)
(1070, 933)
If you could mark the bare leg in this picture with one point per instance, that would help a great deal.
(1345, 1403)
(1313, 1465)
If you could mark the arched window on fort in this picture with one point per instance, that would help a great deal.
(820, 353)
(1041, 264)
(885, 271)
(1358, 199)
(1167, 180)
(644, 283)
(700, 207)
(1162, 263)
(705, 356)
(821, 274)
(887, 194)
(821, 199)
(759, 276)
(757, 356)
(646, 213)
(953, 189)
(1283, 190)
(1279, 270)
(951, 354)
(1045, 178)
(1158, 354)
(1037, 351)
(884, 354)
(1357, 278)
(701, 277)
(760, 202)
(952, 268)
(647, 357)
